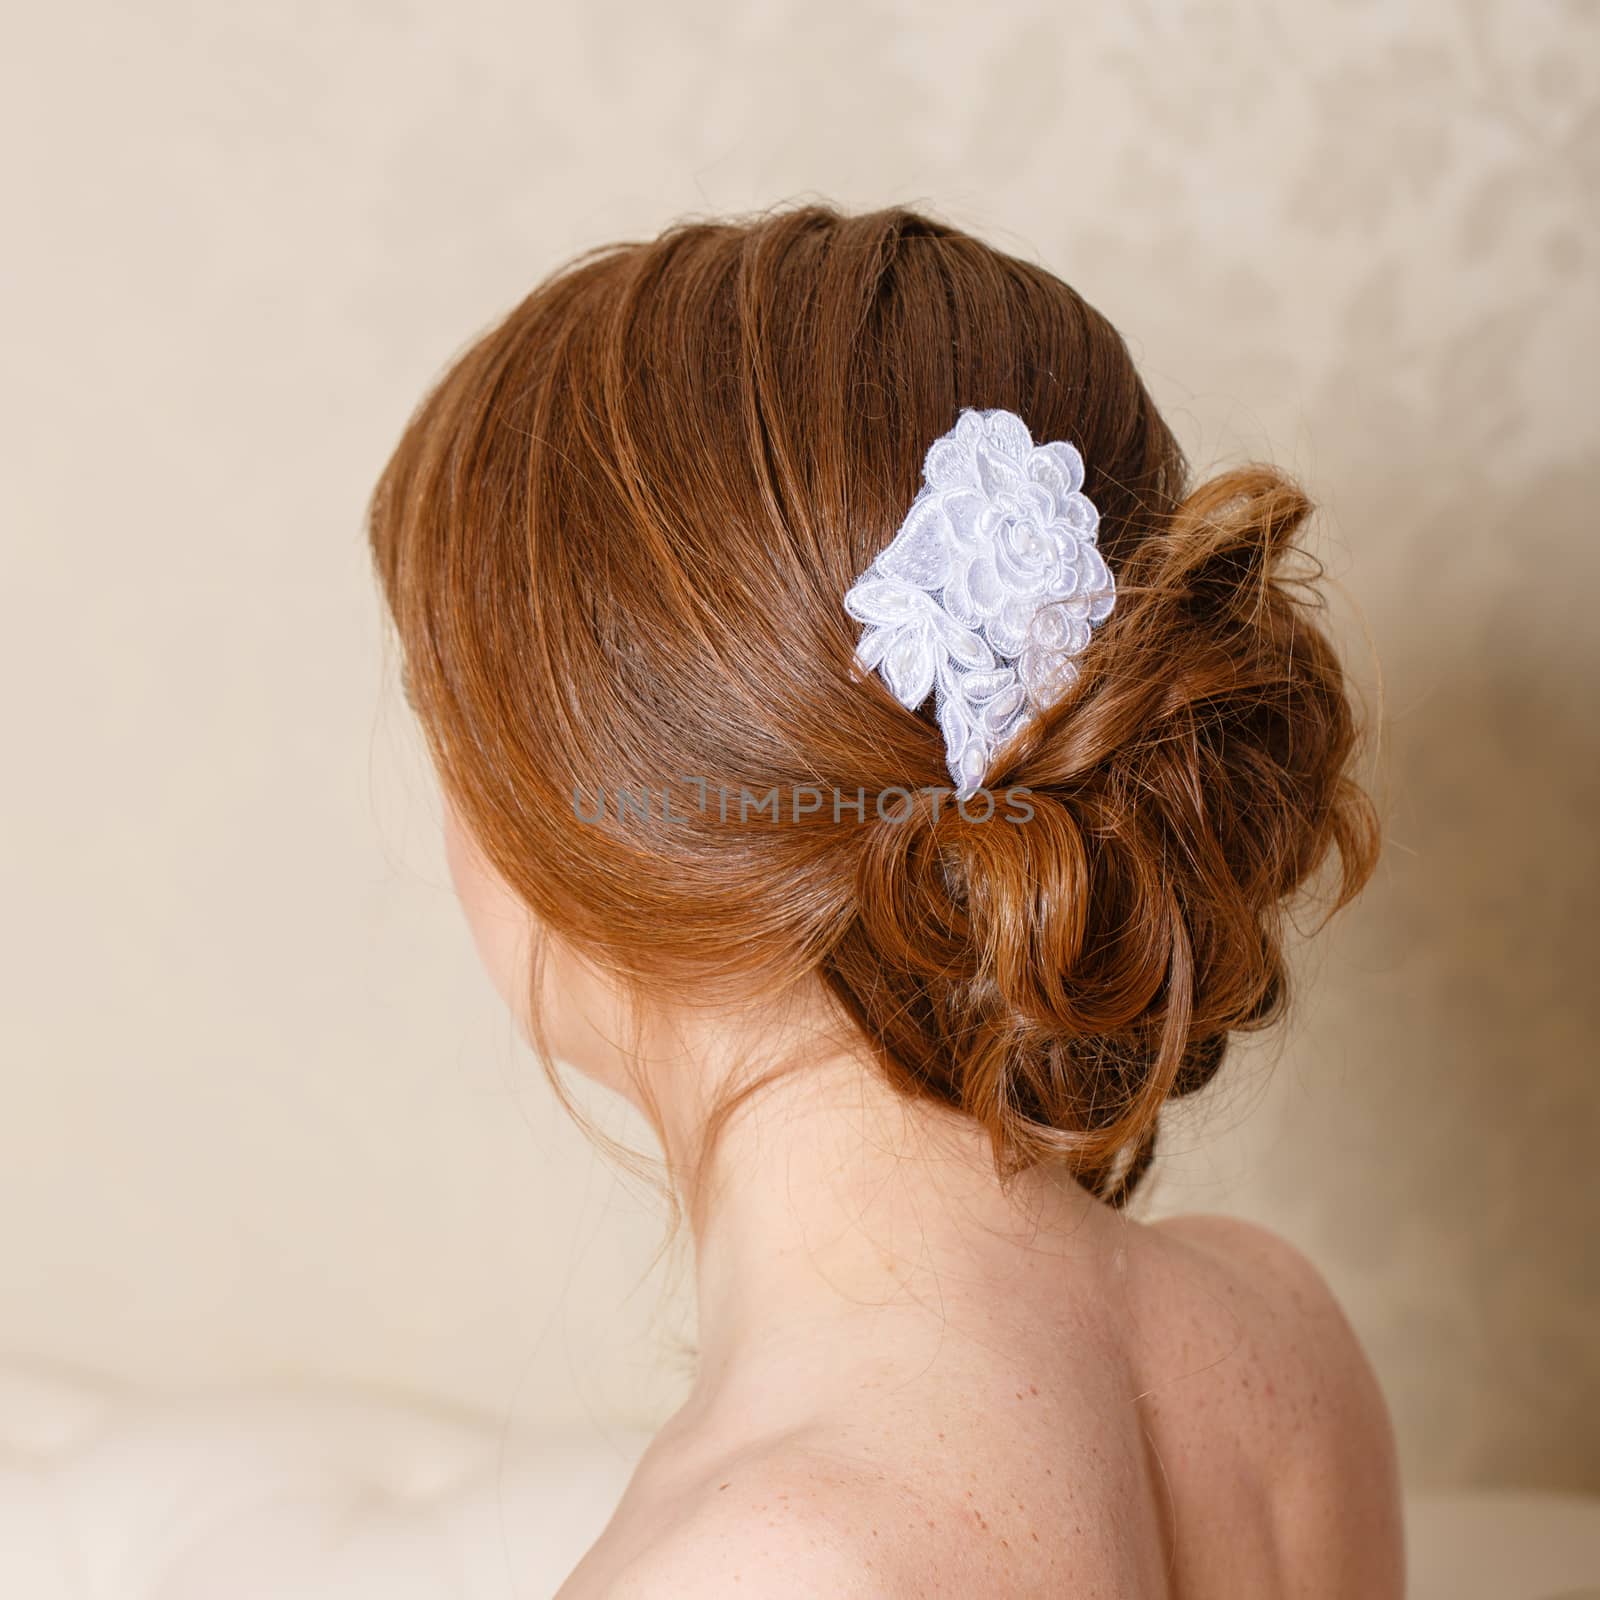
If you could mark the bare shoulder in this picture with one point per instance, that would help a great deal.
(1322, 1412)
(783, 1524)
(1285, 1277)
(1292, 1304)
(796, 1518)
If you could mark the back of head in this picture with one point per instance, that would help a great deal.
(614, 540)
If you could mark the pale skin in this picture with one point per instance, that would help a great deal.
(911, 1383)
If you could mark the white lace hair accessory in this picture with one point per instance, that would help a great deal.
(990, 588)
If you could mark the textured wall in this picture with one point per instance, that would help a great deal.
(262, 1111)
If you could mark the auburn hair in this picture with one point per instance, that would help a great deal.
(614, 539)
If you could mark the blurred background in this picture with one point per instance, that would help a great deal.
(264, 1119)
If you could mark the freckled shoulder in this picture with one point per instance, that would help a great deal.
(784, 1524)
(1310, 1395)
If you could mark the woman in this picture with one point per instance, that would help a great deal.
(867, 750)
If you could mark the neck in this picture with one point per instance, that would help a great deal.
(842, 1227)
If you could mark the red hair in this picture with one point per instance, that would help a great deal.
(614, 540)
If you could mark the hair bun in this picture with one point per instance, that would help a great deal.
(1063, 967)
(1019, 1004)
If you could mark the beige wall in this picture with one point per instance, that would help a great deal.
(261, 1111)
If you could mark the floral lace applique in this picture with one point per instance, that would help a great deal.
(990, 588)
